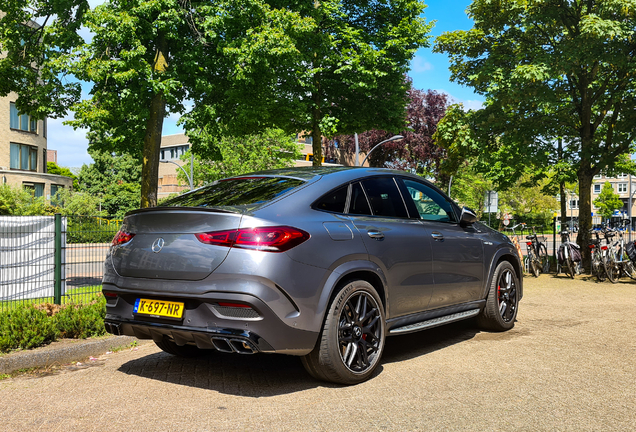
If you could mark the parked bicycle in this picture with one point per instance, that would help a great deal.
(598, 253)
(537, 253)
(616, 261)
(569, 256)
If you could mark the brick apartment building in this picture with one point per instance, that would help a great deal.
(23, 152)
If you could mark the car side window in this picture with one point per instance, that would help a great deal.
(334, 201)
(429, 203)
(358, 204)
(384, 197)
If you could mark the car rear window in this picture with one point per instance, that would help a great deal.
(239, 191)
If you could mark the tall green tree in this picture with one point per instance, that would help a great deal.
(36, 36)
(346, 74)
(551, 69)
(147, 57)
(608, 201)
(114, 179)
(239, 155)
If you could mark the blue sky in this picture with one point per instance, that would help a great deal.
(428, 71)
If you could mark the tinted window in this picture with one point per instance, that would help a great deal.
(333, 201)
(359, 204)
(429, 203)
(236, 192)
(384, 197)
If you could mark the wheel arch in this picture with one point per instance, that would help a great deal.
(345, 273)
(511, 256)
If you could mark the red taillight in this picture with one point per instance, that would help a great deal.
(604, 247)
(592, 246)
(529, 243)
(109, 294)
(122, 237)
(270, 239)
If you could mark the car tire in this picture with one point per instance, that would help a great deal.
(502, 302)
(187, 351)
(352, 339)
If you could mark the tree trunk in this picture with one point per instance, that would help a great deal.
(316, 135)
(154, 128)
(152, 145)
(585, 211)
(564, 200)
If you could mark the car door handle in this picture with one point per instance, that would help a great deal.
(438, 236)
(378, 235)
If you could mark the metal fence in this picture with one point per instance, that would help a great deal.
(55, 259)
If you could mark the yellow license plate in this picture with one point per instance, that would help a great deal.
(159, 308)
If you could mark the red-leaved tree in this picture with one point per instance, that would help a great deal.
(416, 152)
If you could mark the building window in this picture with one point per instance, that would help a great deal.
(23, 157)
(597, 188)
(622, 187)
(574, 204)
(622, 176)
(54, 190)
(37, 189)
(22, 122)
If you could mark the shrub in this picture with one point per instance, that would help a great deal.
(29, 326)
(25, 327)
(81, 321)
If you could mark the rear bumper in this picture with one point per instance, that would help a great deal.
(204, 326)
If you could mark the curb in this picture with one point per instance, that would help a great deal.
(54, 354)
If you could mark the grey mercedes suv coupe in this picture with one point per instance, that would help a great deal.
(321, 263)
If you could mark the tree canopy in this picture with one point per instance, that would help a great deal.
(608, 201)
(550, 69)
(270, 149)
(416, 151)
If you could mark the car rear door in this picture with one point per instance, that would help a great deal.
(400, 246)
(458, 255)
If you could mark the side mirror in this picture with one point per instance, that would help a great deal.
(468, 217)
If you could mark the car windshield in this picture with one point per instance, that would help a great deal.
(237, 192)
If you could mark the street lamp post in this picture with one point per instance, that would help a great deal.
(189, 177)
(393, 138)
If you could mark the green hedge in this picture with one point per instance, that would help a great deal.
(30, 326)
(88, 229)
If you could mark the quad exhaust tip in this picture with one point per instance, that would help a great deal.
(113, 328)
(233, 345)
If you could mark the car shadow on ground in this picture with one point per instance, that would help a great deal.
(413, 345)
(266, 375)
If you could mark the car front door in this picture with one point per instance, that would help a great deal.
(458, 255)
(400, 246)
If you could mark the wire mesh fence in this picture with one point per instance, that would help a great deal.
(52, 259)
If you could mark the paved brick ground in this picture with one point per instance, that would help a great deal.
(568, 365)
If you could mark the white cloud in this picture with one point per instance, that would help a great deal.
(419, 64)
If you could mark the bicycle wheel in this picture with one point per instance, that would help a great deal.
(628, 268)
(571, 267)
(611, 267)
(543, 258)
(533, 263)
(597, 267)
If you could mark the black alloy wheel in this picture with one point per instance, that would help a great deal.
(507, 295)
(500, 311)
(359, 332)
(352, 339)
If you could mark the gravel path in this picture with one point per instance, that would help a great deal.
(568, 365)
